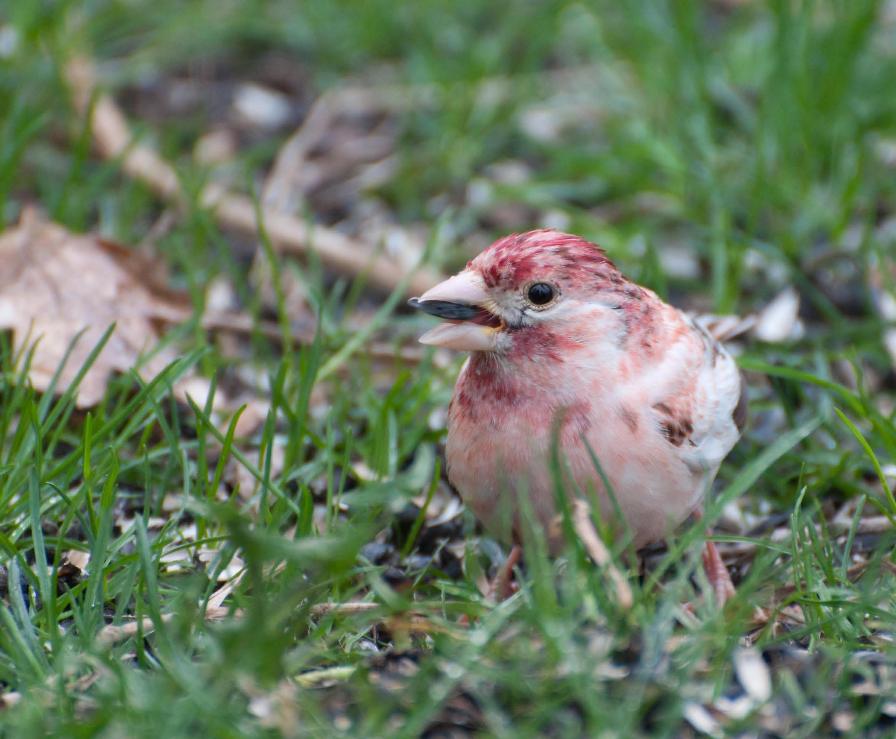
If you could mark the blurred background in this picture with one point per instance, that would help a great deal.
(718, 150)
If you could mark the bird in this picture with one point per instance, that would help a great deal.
(568, 355)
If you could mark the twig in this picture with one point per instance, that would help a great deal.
(240, 323)
(417, 624)
(597, 550)
(115, 140)
(344, 609)
(315, 678)
(112, 634)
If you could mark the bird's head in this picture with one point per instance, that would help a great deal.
(528, 285)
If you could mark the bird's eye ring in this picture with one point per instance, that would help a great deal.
(540, 294)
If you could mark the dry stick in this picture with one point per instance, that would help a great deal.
(112, 634)
(345, 609)
(313, 678)
(278, 190)
(242, 324)
(115, 140)
(292, 174)
(597, 550)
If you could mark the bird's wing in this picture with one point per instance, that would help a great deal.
(699, 402)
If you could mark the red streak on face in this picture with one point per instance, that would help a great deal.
(536, 352)
(540, 342)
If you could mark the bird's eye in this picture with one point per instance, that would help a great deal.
(540, 293)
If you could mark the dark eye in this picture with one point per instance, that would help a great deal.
(540, 293)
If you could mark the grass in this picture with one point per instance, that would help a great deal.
(747, 136)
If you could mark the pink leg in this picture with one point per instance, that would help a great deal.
(503, 586)
(715, 569)
(717, 574)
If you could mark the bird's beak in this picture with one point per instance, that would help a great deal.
(461, 300)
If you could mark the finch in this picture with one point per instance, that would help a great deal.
(567, 353)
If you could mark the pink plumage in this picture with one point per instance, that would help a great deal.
(562, 343)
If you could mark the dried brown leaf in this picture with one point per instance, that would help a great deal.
(753, 674)
(779, 320)
(77, 559)
(57, 287)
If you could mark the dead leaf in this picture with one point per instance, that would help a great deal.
(753, 674)
(55, 285)
(77, 559)
(779, 320)
(701, 719)
(259, 106)
(277, 708)
(207, 556)
(253, 417)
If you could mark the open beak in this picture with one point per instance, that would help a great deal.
(460, 300)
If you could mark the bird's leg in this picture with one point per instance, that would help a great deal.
(503, 586)
(715, 570)
(717, 574)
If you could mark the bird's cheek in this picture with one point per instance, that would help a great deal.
(466, 337)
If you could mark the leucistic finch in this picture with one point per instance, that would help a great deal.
(565, 350)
